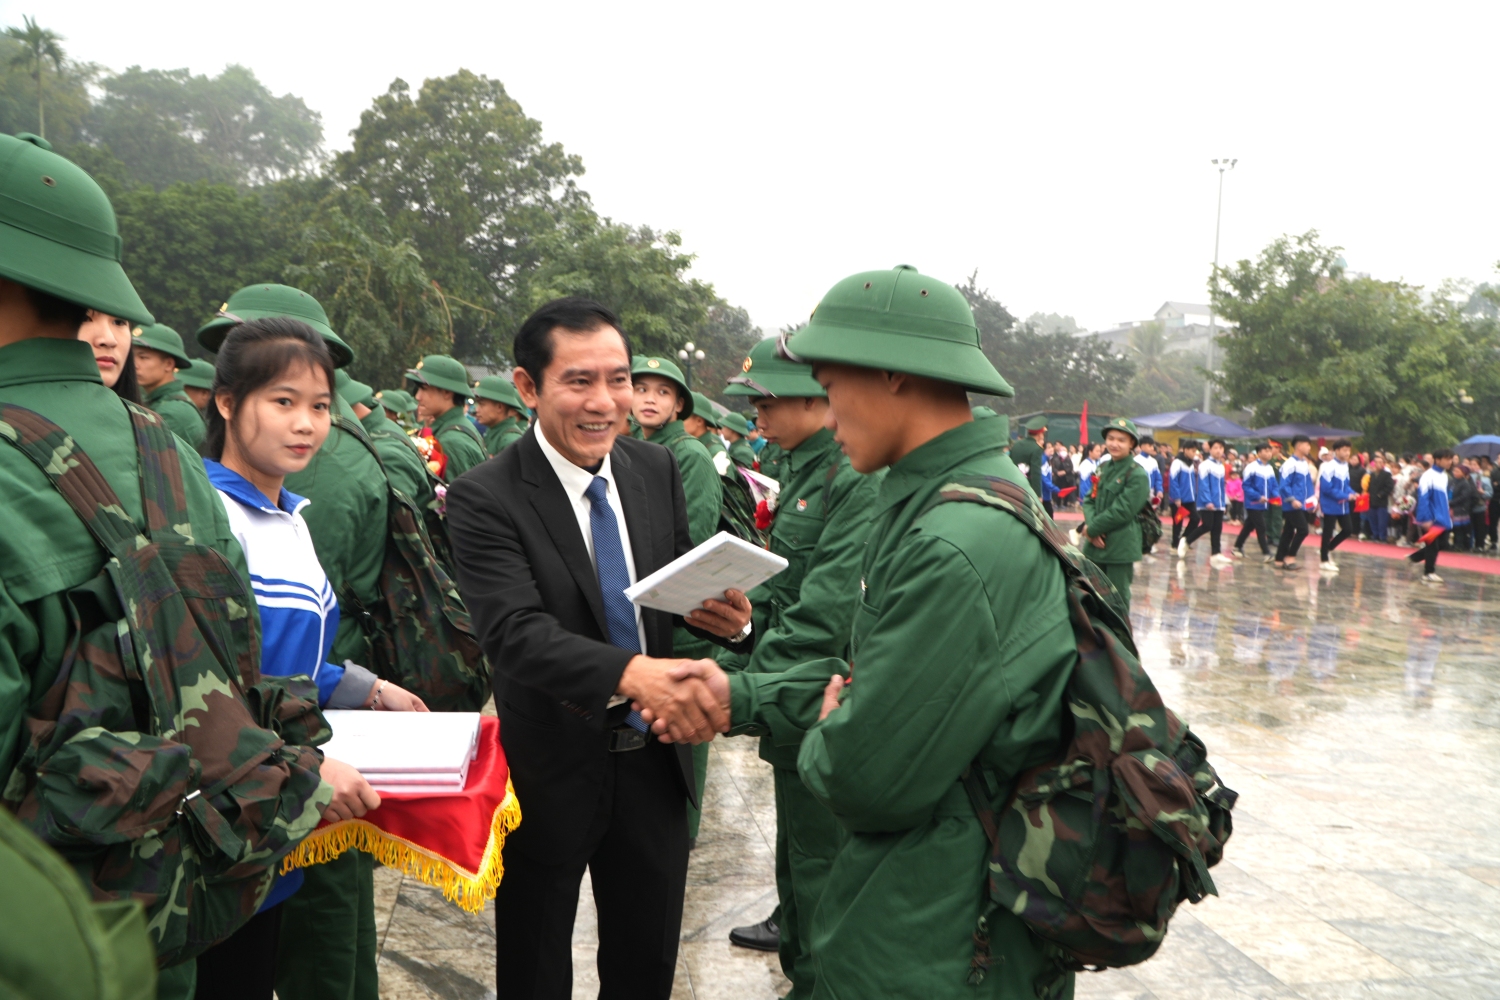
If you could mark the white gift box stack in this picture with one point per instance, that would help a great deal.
(417, 753)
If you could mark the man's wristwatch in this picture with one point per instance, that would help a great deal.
(743, 634)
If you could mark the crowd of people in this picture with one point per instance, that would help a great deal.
(1278, 493)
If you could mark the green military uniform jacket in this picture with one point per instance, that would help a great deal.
(705, 501)
(741, 454)
(179, 412)
(771, 458)
(1028, 453)
(504, 434)
(55, 941)
(461, 443)
(1121, 489)
(960, 648)
(347, 521)
(805, 611)
(45, 551)
(403, 465)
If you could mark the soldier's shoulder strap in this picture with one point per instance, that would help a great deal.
(78, 479)
(466, 425)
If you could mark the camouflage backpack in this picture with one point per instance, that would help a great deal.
(159, 762)
(1150, 522)
(1094, 850)
(420, 634)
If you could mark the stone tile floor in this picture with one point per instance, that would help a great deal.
(1357, 715)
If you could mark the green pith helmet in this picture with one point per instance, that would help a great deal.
(58, 232)
(1122, 424)
(732, 421)
(396, 400)
(899, 320)
(264, 302)
(765, 373)
(667, 369)
(1035, 424)
(198, 375)
(349, 390)
(499, 389)
(705, 409)
(983, 413)
(161, 338)
(441, 372)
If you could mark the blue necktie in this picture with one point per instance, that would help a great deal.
(614, 577)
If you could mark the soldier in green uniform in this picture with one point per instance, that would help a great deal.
(198, 382)
(961, 648)
(1111, 535)
(802, 613)
(498, 406)
(403, 465)
(1027, 453)
(328, 943)
(60, 260)
(662, 402)
(158, 357)
(736, 429)
(399, 407)
(442, 397)
(771, 459)
(703, 424)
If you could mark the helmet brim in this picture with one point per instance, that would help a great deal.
(962, 364)
(70, 274)
(211, 335)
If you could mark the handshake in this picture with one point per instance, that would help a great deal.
(684, 701)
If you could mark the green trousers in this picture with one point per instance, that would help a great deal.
(327, 947)
(1273, 524)
(807, 838)
(700, 770)
(1121, 575)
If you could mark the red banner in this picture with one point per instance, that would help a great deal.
(452, 842)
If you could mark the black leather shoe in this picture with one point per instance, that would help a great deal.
(764, 936)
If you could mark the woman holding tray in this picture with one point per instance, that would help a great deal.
(269, 414)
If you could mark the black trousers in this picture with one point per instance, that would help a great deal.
(636, 856)
(1293, 531)
(1255, 520)
(1178, 527)
(1330, 540)
(1210, 523)
(1428, 553)
(1047, 506)
(242, 966)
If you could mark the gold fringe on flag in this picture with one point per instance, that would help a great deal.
(469, 890)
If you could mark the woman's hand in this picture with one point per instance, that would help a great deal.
(388, 697)
(352, 794)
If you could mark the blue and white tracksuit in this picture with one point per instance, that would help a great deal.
(1048, 490)
(1333, 488)
(1184, 482)
(298, 611)
(1260, 484)
(1211, 483)
(1086, 470)
(1153, 472)
(1297, 483)
(1432, 499)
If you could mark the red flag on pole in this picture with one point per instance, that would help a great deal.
(1083, 426)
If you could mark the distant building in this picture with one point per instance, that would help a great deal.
(1186, 325)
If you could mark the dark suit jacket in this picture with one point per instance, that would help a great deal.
(533, 594)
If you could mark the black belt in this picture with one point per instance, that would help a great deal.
(624, 738)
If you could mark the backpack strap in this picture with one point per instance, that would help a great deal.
(161, 473)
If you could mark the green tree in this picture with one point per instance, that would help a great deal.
(167, 126)
(1164, 379)
(1309, 344)
(463, 173)
(39, 46)
(1049, 371)
(725, 336)
(67, 96)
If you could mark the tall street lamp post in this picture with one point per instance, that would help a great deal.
(1208, 386)
(687, 355)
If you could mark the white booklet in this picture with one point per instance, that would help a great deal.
(435, 745)
(722, 563)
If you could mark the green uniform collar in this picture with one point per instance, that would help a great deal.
(449, 419)
(813, 450)
(508, 424)
(48, 359)
(932, 460)
(167, 390)
(669, 432)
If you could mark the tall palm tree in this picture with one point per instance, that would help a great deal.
(40, 46)
(1148, 345)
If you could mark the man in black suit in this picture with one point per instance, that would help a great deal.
(546, 536)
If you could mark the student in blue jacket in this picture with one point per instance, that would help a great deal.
(1211, 504)
(269, 414)
(1184, 484)
(1432, 513)
(1334, 499)
(1260, 485)
(1297, 491)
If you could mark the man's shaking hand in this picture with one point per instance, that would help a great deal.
(685, 701)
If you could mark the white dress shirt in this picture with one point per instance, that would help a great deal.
(575, 480)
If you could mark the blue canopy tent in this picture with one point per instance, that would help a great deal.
(1193, 422)
(1314, 431)
(1487, 445)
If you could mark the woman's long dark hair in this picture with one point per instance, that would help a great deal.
(253, 355)
(127, 386)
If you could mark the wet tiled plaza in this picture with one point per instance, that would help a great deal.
(1359, 717)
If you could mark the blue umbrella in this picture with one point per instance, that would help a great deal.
(1487, 445)
(1193, 422)
(1313, 431)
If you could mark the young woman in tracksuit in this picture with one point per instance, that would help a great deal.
(1260, 485)
(268, 417)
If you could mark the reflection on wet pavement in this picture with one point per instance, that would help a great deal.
(1359, 718)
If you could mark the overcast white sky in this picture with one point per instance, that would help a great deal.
(1061, 149)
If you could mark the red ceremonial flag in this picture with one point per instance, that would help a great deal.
(452, 842)
(1083, 426)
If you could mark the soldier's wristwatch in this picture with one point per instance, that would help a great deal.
(743, 633)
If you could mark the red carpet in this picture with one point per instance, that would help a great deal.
(1446, 560)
